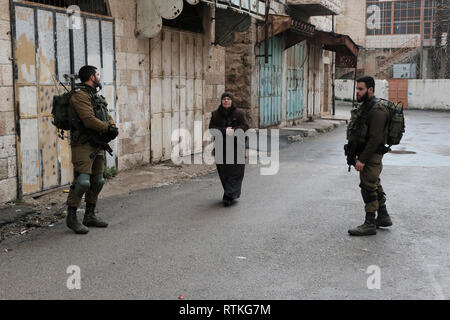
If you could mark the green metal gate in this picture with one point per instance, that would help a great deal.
(270, 79)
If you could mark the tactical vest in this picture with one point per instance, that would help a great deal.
(357, 128)
(100, 107)
(98, 103)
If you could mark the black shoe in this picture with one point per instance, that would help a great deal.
(90, 220)
(227, 203)
(368, 228)
(73, 223)
(383, 219)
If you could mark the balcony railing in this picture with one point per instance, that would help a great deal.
(318, 7)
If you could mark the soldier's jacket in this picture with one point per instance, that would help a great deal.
(377, 119)
(92, 110)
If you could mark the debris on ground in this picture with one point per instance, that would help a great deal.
(19, 217)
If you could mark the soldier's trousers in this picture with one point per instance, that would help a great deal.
(371, 189)
(84, 165)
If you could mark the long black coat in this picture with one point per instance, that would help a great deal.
(231, 174)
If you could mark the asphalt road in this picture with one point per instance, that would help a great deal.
(285, 239)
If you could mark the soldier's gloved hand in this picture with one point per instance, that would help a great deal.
(113, 132)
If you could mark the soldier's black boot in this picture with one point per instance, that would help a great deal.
(90, 220)
(73, 223)
(368, 228)
(383, 219)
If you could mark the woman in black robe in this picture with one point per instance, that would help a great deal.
(227, 119)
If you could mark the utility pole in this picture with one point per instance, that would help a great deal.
(422, 35)
(447, 51)
(437, 52)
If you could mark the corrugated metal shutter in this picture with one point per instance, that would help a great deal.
(42, 53)
(177, 82)
(295, 64)
(270, 79)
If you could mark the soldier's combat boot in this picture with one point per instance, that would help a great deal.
(368, 228)
(90, 220)
(383, 219)
(73, 223)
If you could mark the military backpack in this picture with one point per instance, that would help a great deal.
(60, 111)
(396, 124)
(395, 127)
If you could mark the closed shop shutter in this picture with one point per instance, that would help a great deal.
(42, 55)
(177, 82)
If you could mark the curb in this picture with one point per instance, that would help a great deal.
(298, 134)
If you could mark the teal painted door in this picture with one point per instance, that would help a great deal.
(294, 97)
(270, 79)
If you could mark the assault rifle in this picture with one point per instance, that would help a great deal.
(350, 152)
(94, 138)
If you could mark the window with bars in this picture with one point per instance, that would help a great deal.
(428, 17)
(89, 6)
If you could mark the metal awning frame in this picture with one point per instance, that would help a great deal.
(336, 42)
(295, 30)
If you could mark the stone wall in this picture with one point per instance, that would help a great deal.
(8, 160)
(215, 70)
(133, 90)
(344, 89)
(242, 75)
(352, 21)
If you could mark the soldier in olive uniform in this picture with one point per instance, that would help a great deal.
(369, 158)
(88, 159)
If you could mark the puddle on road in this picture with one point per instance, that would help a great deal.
(402, 152)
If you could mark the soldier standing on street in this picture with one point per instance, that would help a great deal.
(88, 159)
(373, 119)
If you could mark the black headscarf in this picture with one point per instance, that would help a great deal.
(222, 108)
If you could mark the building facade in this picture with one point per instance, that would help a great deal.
(164, 66)
(395, 34)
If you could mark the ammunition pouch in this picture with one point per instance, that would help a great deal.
(383, 150)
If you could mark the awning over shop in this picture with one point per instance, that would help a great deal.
(346, 50)
(229, 21)
(295, 30)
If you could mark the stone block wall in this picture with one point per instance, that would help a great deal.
(242, 73)
(133, 89)
(8, 160)
(214, 84)
(352, 21)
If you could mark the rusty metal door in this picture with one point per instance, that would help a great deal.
(398, 91)
(314, 95)
(177, 82)
(42, 54)
(295, 62)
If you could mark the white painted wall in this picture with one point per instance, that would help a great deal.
(344, 89)
(429, 94)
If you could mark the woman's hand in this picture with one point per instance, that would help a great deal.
(230, 131)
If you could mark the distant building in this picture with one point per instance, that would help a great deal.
(393, 32)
